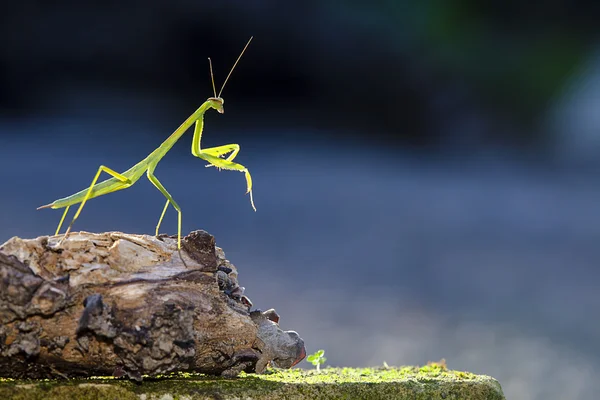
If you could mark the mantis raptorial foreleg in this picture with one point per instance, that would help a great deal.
(125, 182)
(218, 151)
(213, 151)
(206, 155)
(162, 189)
(212, 155)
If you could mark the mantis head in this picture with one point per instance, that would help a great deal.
(216, 103)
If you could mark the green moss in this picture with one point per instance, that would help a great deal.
(432, 381)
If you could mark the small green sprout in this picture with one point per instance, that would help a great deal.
(317, 359)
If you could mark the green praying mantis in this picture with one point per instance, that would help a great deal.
(215, 156)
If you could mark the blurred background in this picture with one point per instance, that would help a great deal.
(426, 174)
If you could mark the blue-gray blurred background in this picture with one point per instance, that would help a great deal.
(426, 173)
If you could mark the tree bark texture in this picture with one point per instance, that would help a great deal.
(131, 305)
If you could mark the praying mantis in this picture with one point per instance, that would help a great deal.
(215, 156)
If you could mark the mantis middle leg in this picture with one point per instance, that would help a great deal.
(124, 181)
(170, 199)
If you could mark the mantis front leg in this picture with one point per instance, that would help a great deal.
(234, 149)
(170, 199)
(212, 156)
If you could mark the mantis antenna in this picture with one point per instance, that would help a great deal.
(212, 77)
(232, 68)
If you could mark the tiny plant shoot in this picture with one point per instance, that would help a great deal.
(214, 156)
(317, 359)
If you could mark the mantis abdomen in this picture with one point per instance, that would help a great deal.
(102, 188)
(117, 182)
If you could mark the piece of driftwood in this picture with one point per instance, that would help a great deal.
(130, 305)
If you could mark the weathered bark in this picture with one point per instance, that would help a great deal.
(122, 304)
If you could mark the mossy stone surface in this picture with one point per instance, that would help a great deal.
(430, 382)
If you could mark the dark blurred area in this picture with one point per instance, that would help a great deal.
(485, 70)
(426, 173)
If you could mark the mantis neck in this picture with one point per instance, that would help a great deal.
(165, 146)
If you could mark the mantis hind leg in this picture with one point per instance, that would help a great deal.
(62, 219)
(170, 199)
(120, 177)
